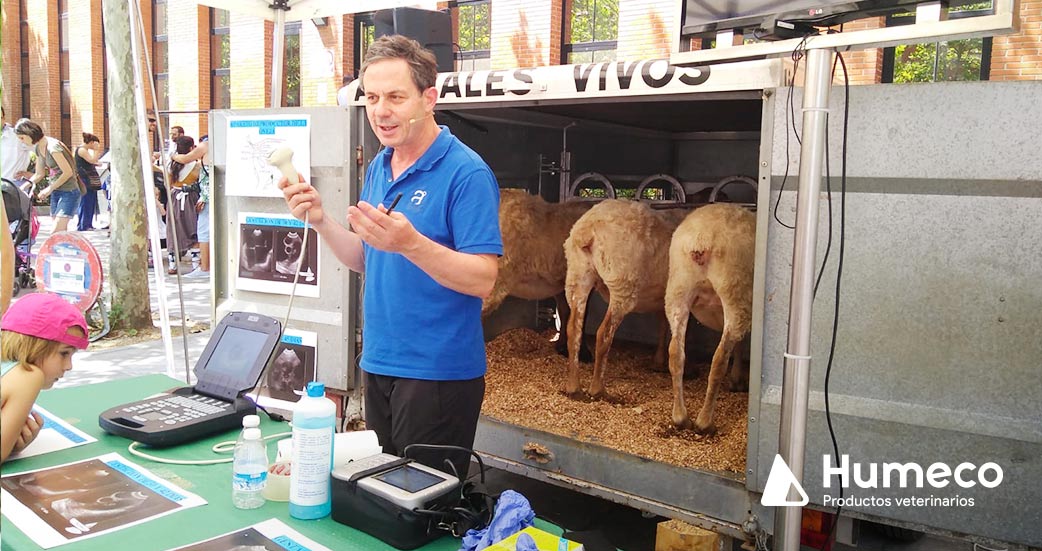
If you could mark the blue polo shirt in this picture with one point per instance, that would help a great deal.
(413, 326)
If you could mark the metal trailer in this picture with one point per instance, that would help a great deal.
(940, 330)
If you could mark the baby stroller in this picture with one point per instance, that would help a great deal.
(23, 227)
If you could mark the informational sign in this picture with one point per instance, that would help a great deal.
(251, 139)
(68, 264)
(80, 500)
(270, 255)
(270, 535)
(55, 435)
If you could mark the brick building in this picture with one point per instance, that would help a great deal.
(203, 58)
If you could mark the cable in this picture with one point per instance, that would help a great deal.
(839, 279)
(221, 447)
(790, 111)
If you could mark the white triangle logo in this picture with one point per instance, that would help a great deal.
(779, 483)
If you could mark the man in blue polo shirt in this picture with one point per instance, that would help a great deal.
(428, 264)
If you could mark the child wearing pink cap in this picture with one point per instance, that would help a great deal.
(38, 335)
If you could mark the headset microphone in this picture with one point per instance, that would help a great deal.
(421, 118)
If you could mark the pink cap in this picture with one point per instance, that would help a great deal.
(46, 316)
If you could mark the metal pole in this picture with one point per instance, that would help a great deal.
(796, 381)
(138, 49)
(277, 50)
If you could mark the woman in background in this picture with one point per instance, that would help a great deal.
(53, 162)
(87, 156)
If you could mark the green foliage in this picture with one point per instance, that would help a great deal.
(474, 30)
(940, 61)
(291, 71)
(594, 20)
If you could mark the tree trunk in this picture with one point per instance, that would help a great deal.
(128, 265)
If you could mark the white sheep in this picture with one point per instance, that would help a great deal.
(621, 248)
(533, 264)
(711, 260)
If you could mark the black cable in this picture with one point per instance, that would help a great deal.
(481, 463)
(277, 417)
(797, 55)
(839, 279)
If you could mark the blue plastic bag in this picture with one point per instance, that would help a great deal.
(513, 514)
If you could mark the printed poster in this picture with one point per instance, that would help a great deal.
(67, 275)
(251, 139)
(80, 500)
(270, 535)
(55, 435)
(291, 370)
(270, 254)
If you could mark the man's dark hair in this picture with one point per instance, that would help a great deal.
(29, 128)
(180, 129)
(422, 63)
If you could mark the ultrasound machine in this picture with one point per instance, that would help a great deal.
(231, 365)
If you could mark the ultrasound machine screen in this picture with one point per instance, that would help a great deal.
(236, 352)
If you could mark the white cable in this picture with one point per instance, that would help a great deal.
(221, 447)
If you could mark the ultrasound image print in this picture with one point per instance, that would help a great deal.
(85, 498)
(287, 253)
(243, 540)
(257, 249)
(293, 367)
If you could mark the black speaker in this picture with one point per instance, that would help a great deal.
(432, 29)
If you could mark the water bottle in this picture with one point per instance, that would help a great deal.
(249, 470)
(248, 422)
(309, 481)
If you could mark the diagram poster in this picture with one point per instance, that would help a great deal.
(251, 139)
(270, 254)
(270, 535)
(75, 501)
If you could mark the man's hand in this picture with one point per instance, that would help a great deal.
(386, 232)
(199, 206)
(30, 431)
(302, 198)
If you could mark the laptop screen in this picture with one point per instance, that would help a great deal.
(236, 353)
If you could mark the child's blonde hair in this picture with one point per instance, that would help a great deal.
(27, 350)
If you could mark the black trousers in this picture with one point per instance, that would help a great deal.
(413, 411)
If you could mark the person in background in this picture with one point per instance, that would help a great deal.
(87, 156)
(14, 154)
(427, 264)
(38, 336)
(342, 96)
(53, 162)
(175, 133)
(201, 154)
(181, 214)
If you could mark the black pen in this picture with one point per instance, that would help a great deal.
(394, 204)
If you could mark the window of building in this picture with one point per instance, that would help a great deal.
(291, 66)
(968, 59)
(63, 71)
(160, 58)
(593, 31)
(24, 43)
(220, 59)
(475, 35)
(365, 34)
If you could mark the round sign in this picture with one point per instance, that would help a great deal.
(68, 264)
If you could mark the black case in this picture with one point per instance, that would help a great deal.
(384, 520)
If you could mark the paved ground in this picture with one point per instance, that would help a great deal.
(145, 357)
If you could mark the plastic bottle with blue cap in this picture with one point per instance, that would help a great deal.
(314, 418)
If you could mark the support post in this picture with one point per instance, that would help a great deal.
(796, 379)
(278, 49)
